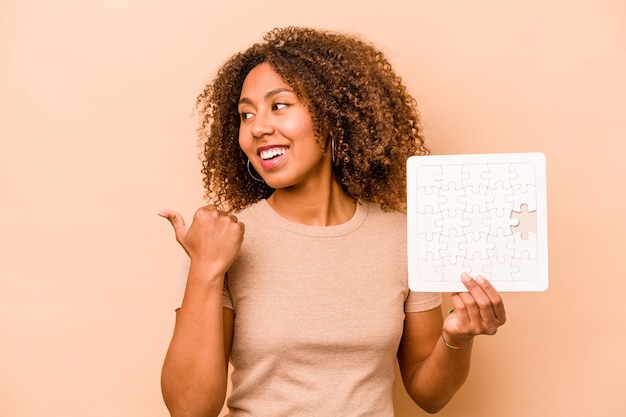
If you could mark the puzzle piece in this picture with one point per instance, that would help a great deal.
(475, 263)
(499, 173)
(451, 197)
(429, 174)
(452, 220)
(427, 222)
(481, 245)
(501, 269)
(429, 244)
(453, 242)
(428, 197)
(477, 197)
(525, 176)
(452, 267)
(520, 246)
(500, 222)
(524, 195)
(428, 269)
(501, 243)
(452, 176)
(476, 180)
(478, 222)
(527, 268)
(502, 198)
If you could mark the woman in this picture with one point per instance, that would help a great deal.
(305, 137)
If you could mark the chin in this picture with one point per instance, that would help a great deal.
(278, 183)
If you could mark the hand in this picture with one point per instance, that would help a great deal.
(478, 311)
(214, 236)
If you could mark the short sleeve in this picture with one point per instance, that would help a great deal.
(421, 301)
(182, 285)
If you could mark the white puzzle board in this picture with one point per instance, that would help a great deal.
(484, 214)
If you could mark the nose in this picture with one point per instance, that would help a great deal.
(261, 125)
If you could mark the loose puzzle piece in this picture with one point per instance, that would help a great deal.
(481, 214)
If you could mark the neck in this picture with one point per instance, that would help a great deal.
(325, 206)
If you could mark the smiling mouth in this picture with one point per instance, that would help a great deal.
(272, 153)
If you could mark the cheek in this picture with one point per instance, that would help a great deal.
(301, 127)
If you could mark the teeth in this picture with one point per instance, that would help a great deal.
(272, 153)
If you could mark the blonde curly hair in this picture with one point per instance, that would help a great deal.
(354, 96)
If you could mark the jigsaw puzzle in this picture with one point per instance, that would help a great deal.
(481, 214)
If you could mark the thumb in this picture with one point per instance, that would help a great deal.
(175, 218)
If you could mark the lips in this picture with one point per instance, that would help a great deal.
(272, 156)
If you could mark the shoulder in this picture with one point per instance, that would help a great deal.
(387, 227)
(252, 211)
(388, 217)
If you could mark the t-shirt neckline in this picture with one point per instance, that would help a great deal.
(267, 213)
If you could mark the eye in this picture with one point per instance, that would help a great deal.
(278, 106)
(244, 115)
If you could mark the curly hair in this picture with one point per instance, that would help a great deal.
(353, 95)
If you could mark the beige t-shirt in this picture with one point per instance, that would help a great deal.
(319, 314)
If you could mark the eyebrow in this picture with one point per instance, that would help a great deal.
(245, 100)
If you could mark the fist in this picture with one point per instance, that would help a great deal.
(214, 236)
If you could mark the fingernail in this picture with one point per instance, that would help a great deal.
(481, 279)
(466, 277)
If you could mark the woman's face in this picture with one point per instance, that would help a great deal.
(276, 132)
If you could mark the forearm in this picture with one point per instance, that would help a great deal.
(194, 373)
(433, 372)
(435, 381)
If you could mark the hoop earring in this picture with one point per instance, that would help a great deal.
(251, 174)
(332, 150)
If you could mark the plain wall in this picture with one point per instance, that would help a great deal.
(97, 135)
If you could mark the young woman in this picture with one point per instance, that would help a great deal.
(306, 136)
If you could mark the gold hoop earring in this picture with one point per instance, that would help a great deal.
(332, 150)
(251, 174)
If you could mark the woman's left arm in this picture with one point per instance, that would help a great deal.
(434, 355)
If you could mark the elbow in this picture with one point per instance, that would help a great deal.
(183, 401)
(183, 409)
(431, 403)
(432, 407)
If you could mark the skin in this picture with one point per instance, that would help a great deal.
(272, 116)
(195, 369)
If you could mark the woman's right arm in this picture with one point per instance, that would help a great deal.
(194, 376)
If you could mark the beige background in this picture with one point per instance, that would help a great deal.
(97, 135)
